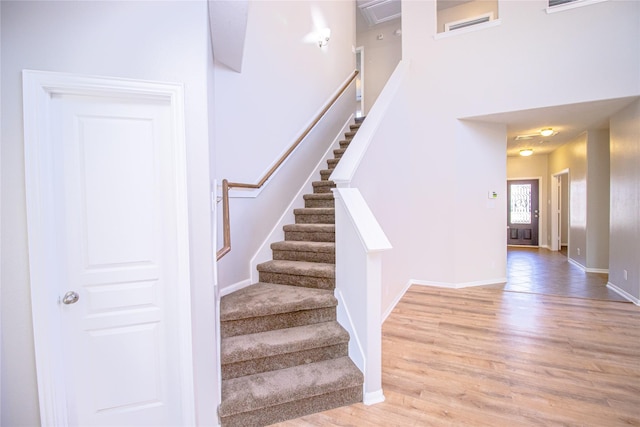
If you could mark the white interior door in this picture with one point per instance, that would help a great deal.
(108, 226)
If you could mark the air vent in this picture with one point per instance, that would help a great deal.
(553, 3)
(456, 25)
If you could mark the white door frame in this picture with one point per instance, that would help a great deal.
(556, 209)
(360, 49)
(39, 88)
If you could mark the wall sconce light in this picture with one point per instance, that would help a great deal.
(526, 152)
(325, 35)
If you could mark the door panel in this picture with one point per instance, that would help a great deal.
(522, 212)
(118, 260)
(108, 251)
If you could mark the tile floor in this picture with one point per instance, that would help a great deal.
(541, 271)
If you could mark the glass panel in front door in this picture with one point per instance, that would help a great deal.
(523, 213)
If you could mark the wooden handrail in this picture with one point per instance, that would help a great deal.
(226, 185)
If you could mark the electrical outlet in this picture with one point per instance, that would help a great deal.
(624, 272)
(578, 250)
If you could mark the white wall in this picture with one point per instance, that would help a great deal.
(535, 166)
(286, 79)
(485, 72)
(573, 156)
(386, 193)
(164, 41)
(624, 243)
(380, 56)
(598, 199)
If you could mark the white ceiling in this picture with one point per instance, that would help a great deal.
(568, 120)
(379, 11)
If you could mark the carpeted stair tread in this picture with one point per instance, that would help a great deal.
(314, 211)
(265, 299)
(280, 341)
(344, 143)
(298, 268)
(302, 246)
(319, 200)
(311, 228)
(315, 215)
(350, 134)
(318, 196)
(325, 174)
(310, 232)
(272, 388)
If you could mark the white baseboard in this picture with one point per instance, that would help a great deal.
(588, 269)
(624, 294)
(597, 270)
(373, 397)
(235, 287)
(395, 301)
(577, 264)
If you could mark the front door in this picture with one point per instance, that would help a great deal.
(522, 212)
(109, 267)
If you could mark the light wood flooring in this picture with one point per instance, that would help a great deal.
(491, 356)
(545, 272)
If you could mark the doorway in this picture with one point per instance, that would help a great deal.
(523, 212)
(560, 211)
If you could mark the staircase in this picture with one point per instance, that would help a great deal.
(283, 353)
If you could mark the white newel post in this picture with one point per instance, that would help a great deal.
(359, 245)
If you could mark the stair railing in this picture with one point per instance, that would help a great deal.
(226, 185)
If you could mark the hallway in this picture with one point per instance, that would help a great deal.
(541, 271)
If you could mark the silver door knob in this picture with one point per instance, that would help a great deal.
(70, 297)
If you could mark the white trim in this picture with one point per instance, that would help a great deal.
(577, 264)
(350, 161)
(369, 230)
(235, 287)
(556, 226)
(373, 397)
(469, 29)
(361, 76)
(396, 300)
(597, 270)
(572, 5)
(39, 87)
(356, 350)
(623, 293)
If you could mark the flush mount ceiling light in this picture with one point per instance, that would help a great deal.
(546, 132)
(325, 35)
(526, 152)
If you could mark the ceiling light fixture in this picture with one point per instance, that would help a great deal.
(526, 152)
(546, 132)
